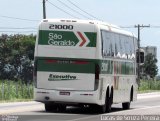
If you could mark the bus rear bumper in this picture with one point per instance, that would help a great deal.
(67, 97)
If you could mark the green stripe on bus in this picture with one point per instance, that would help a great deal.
(64, 38)
(43, 65)
(105, 66)
(48, 37)
(92, 37)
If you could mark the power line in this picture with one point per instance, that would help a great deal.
(18, 31)
(61, 9)
(64, 4)
(17, 28)
(82, 10)
(139, 59)
(151, 26)
(24, 19)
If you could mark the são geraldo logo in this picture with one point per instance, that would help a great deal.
(57, 40)
(61, 43)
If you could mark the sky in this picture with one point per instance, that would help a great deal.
(23, 16)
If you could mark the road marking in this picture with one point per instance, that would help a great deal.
(114, 113)
(23, 109)
(19, 103)
(148, 95)
(28, 106)
(146, 107)
(20, 109)
(83, 118)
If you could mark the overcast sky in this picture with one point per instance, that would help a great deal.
(125, 13)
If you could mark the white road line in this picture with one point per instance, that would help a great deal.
(19, 103)
(83, 118)
(114, 113)
(146, 107)
(20, 109)
(34, 106)
(148, 95)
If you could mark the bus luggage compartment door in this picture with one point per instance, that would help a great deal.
(63, 74)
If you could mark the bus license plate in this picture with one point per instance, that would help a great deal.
(64, 93)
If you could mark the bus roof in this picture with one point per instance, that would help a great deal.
(99, 24)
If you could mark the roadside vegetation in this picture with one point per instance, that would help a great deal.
(15, 91)
(16, 69)
(149, 86)
(20, 91)
(149, 81)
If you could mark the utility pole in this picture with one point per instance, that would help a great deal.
(44, 9)
(139, 27)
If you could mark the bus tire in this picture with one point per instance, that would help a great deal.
(61, 108)
(102, 109)
(50, 107)
(126, 105)
(107, 106)
(109, 102)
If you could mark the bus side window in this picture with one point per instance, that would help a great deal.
(104, 54)
(112, 38)
(127, 47)
(123, 51)
(132, 48)
(117, 46)
(106, 44)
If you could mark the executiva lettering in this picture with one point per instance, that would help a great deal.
(54, 77)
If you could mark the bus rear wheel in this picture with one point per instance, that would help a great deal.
(50, 107)
(126, 105)
(61, 108)
(107, 106)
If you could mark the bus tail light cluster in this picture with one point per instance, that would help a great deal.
(35, 73)
(50, 61)
(97, 71)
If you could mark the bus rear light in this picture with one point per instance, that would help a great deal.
(51, 61)
(97, 71)
(35, 80)
(80, 62)
(86, 94)
(35, 73)
(65, 61)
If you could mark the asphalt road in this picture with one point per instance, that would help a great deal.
(147, 107)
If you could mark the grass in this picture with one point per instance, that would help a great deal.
(16, 100)
(149, 85)
(13, 91)
(147, 91)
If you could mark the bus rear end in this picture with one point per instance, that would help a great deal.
(66, 70)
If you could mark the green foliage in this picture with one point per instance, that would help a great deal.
(149, 85)
(11, 90)
(150, 67)
(16, 57)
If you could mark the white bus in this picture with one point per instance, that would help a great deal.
(83, 62)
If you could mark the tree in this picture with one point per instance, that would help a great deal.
(6, 70)
(150, 67)
(16, 57)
